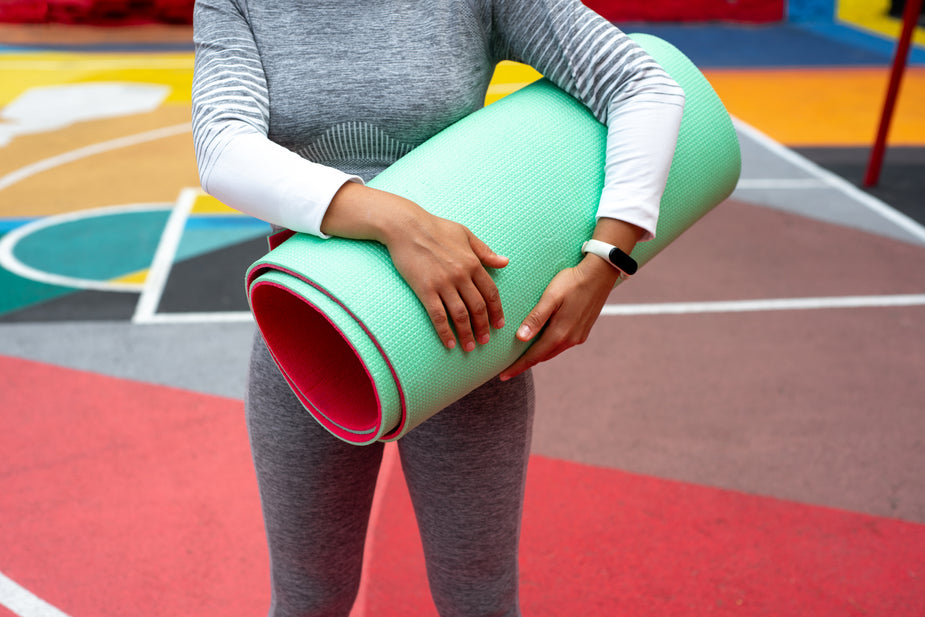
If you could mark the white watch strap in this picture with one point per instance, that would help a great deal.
(625, 264)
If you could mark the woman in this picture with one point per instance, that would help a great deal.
(297, 103)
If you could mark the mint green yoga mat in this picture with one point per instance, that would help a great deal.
(525, 175)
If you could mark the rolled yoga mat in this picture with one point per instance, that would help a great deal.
(525, 175)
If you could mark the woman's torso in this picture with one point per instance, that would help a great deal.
(355, 85)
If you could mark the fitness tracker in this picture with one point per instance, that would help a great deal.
(617, 258)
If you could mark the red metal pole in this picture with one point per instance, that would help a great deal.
(910, 18)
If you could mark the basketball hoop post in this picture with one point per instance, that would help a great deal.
(910, 17)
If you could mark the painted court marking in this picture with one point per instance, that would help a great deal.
(772, 304)
(43, 63)
(626, 310)
(829, 179)
(93, 149)
(43, 109)
(794, 184)
(23, 602)
(163, 257)
(9, 261)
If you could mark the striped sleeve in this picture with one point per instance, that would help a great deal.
(237, 163)
(618, 81)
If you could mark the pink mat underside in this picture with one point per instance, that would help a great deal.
(335, 383)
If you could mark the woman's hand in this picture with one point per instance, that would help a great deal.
(572, 301)
(442, 261)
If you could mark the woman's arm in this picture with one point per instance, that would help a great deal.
(625, 89)
(572, 302)
(641, 105)
(442, 261)
(238, 164)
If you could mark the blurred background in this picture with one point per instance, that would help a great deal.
(744, 433)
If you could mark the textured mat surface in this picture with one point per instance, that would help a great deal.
(351, 337)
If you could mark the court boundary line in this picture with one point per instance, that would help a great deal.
(71, 156)
(771, 304)
(630, 310)
(162, 263)
(9, 261)
(836, 182)
(782, 184)
(22, 602)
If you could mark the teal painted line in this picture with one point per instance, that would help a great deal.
(199, 241)
(107, 247)
(97, 248)
(233, 220)
(19, 293)
(850, 35)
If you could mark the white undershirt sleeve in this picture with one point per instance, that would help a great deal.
(267, 181)
(640, 140)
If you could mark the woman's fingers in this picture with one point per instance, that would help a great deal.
(436, 311)
(473, 305)
(533, 323)
(444, 262)
(487, 256)
(464, 319)
(446, 266)
(483, 281)
(564, 316)
(491, 299)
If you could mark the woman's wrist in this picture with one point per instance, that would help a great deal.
(364, 213)
(617, 233)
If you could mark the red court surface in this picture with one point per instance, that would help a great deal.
(157, 495)
(743, 434)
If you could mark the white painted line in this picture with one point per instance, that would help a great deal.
(164, 256)
(386, 470)
(781, 184)
(9, 261)
(23, 602)
(194, 318)
(781, 304)
(660, 308)
(836, 182)
(81, 153)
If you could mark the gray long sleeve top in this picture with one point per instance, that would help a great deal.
(292, 98)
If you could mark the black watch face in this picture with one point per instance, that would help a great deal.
(623, 261)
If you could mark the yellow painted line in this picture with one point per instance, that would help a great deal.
(53, 61)
(19, 72)
(873, 15)
(823, 107)
(208, 205)
(133, 278)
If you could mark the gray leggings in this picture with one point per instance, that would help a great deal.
(465, 470)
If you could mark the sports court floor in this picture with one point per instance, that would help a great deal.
(743, 434)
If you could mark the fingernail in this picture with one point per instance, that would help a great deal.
(484, 339)
(469, 346)
(450, 344)
(523, 332)
(503, 377)
(499, 324)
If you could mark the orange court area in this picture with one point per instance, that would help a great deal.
(830, 106)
